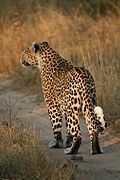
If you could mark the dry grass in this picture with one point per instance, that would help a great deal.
(22, 156)
(92, 43)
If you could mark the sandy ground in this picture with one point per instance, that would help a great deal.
(27, 110)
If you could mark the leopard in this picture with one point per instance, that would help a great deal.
(68, 91)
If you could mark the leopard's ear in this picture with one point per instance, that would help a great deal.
(35, 47)
(44, 44)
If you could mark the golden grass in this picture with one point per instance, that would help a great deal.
(22, 156)
(94, 44)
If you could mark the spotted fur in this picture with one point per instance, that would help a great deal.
(67, 90)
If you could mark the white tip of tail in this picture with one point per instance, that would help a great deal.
(102, 125)
(98, 111)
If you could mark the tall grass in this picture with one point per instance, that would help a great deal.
(22, 156)
(93, 43)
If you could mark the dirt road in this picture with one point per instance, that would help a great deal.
(33, 113)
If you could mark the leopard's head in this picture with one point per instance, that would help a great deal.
(31, 56)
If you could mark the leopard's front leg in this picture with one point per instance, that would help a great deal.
(55, 116)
